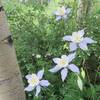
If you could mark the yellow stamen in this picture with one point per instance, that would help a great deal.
(77, 38)
(63, 62)
(61, 12)
(34, 80)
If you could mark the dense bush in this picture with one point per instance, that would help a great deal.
(36, 33)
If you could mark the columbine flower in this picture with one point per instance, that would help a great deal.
(63, 64)
(35, 81)
(77, 40)
(62, 12)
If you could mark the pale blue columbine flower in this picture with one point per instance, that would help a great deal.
(35, 81)
(78, 41)
(63, 64)
(62, 13)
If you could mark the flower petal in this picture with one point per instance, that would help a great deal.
(38, 89)
(55, 69)
(68, 10)
(58, 18)
(73, 68)
(88, 40)
(81, 32)
(83, 46)
(64, 57)
(74, 34)
(56, 60)
(63, 8)
(40, 74)
(73, 46)
(29, 76)
(56, 13)
(29, 88)
(65, 17)
(67, 38)
(71, 57)
(64, 74)
(44, 83)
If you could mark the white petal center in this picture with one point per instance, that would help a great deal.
(63, 63)
(61, 11)
(77, 38)
(34, 80)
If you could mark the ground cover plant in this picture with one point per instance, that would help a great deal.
(49, 40)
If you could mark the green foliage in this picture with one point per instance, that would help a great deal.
(34, 32)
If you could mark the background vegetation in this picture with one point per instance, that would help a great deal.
(35, 32)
